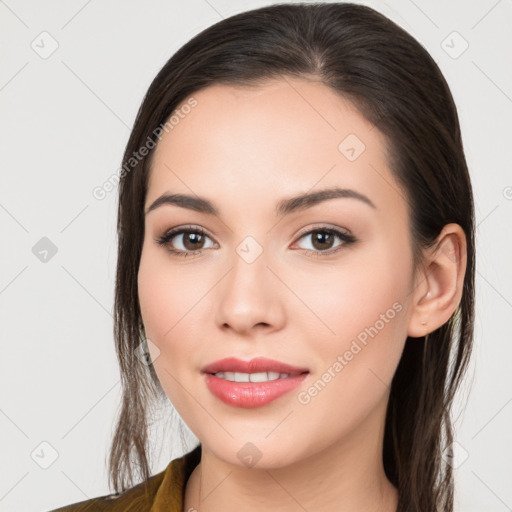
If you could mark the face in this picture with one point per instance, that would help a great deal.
(322, 285)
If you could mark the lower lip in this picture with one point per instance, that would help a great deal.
(251, 394)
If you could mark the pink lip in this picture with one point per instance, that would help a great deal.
(251, 394)
(259, 364)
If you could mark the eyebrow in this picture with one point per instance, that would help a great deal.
(284, 207)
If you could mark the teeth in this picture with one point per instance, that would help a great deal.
(251, 377)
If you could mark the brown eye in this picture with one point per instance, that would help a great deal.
(193, 241)
(323, 240)
(185, 241)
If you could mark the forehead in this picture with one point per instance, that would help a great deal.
(285, 135)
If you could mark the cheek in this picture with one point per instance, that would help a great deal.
(173, 309)
(165, 294)
(363, 311)
(355, 365)
(161, 309)
(346, 299)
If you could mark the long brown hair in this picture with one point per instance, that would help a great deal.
(397, 86)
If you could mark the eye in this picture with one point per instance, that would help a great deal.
(323, 239)
(190, 240)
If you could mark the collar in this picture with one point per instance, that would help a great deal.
(170, 495)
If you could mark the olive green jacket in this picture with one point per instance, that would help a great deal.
(163, 492)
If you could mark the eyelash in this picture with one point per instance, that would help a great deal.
(167, 237)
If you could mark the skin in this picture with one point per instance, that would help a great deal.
(246, 148)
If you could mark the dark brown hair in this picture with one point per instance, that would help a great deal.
(397, 86)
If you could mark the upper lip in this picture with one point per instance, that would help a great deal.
(259, 364)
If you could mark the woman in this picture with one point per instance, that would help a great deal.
(296, 255)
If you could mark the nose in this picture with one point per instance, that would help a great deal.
(250, 298)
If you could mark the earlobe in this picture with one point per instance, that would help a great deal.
(439, 285)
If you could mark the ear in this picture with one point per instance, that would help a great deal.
(439, 282)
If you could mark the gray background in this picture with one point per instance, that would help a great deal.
(66, 117)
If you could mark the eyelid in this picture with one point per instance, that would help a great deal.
(168, 235)
(324, 227)
(345, 235)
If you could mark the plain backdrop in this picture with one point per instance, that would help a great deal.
(72, 76)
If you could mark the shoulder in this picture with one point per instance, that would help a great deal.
(163, 491)
(139, 497)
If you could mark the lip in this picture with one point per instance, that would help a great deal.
(259, 364)
(251, 394)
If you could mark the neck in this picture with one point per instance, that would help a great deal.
(345, 476)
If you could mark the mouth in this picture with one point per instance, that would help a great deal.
(251, 384)
(258, 365)
(253, 377)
